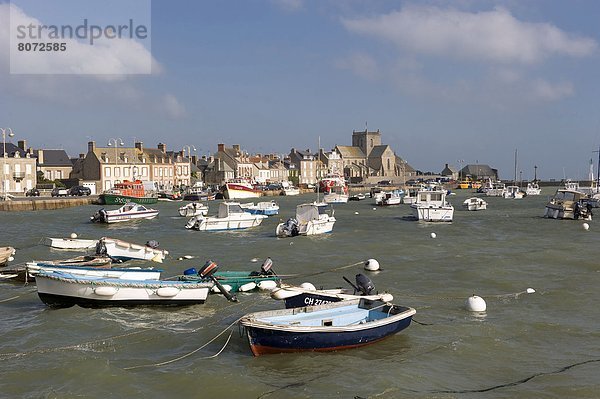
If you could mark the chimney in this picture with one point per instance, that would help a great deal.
(139, 145)
(162, 147)
(194, 159)
(91, 146)
(40, 155)
(81, 156)
(23, 145)
(236, 147)
(221, 147)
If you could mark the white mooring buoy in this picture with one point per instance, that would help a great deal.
(475, 304)
(308, 286)
(74, 235)
(586, 226)
(433, 235)
(356, 213)
(371, 265)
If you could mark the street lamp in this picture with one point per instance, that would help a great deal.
(10, 134)
(460, 162)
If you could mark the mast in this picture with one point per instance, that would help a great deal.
(515, 177)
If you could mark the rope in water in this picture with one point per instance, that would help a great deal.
(293, 276)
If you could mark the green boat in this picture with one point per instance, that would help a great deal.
(238, 280)
(128, 191)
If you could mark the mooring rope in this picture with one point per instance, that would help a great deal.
(294, 276)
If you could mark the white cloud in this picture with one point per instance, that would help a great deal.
(173, 107)
(547, 91)
(105, 60)
(361, 64)
(492, 36)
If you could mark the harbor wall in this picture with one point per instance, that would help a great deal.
(38, 204)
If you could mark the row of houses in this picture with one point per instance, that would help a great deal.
(367, 160)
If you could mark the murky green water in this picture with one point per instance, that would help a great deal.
(544, 345)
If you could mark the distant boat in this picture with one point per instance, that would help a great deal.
(310, 219)
(193, 209)
(136, 191)
(268, 208)
(336, 195)
(568, 204)
(6, 254)
(60, 290)
(240, 189)
(431, 206)
(290, 190)
(386, 198)
(124, 273)
(533, 188)
(514, 192)
(231, 216)
(357, 197)
(475, 204)
(334, 326)
(123, 250)
(126, 213)
(77, 244)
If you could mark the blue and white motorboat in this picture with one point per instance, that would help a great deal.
(334, 326)
(124, 273)
(267, 208)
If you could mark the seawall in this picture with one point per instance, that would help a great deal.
(38, 204)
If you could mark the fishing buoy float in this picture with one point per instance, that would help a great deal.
(586, 226)
(433, 235)
(74, 235)
(10, 258)
(185, 257)
(475, 304)
(247, 287)
(254, 260)
(356, 213)
(371, 265)
(308, 286)
(529, 290)
(267, 285)
(374, 209)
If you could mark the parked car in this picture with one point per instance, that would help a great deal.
(32, 192)
(59, 192)
(385, 183)
(80, 190)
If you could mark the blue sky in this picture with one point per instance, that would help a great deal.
(443, 81)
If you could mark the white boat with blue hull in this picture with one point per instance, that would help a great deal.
(124, 251)
(268, 208)
(330, 327)
(124, 273)
(59, 289)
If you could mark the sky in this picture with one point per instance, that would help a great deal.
(458, 82)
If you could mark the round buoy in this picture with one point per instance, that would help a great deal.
(586, 226)
(10, 258)
(475, 304)
(254, 260)
(187, 256)
(374, 209)
(247, 287)
(371, 265)
(433, 235)
(356, 213)
(74, 235)
(267, 285)
(530, 290)
(308, 286)
(216, 289)
(291, 242)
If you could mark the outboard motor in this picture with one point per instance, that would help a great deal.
(152, 244)
(266, 266)
(207, 271)
(290, 228)
(364, 284)
(101, 248)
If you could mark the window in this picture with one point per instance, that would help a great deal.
(126, 171)
(144, 171)
(107, 171)
(117, 172)
(388, 162)
(28, 169)
(179, 170)
(185, 170)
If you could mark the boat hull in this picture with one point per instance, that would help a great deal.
(234, 279)
(75, 244)
(123, 250)
(268, 335)
(443, 214)
(65, 290)
(117, 199)
(239, 191)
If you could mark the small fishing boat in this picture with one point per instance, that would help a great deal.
(290, 190)
(123, 250)
(474, 204)
(6, 254)
(533, 188)
(336, 195)
(106, 271)
(357, 197)
(234, 281)
(138, 191)
(58, 289)
(513, 192)
(307, 295)
(386, 198)
(231, 216)
(311, 219)
(330, 327)
(267, 208)
(23, 272)
(240, 189)
(128, 212)
(73, 243)
(193, 209)
(568, 204)
(431, 206)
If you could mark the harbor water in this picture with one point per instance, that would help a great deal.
(540, 345)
